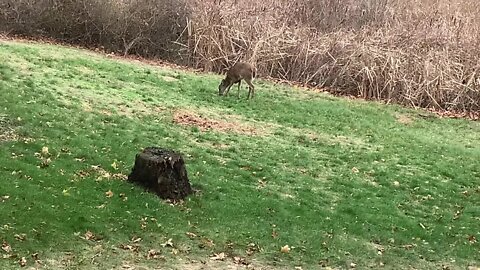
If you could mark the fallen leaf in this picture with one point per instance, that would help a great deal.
(353, 265)
(285, 249)
(191, 235)
(127, 267)
(133, 248)
(409, 246)
(123, 197)
(6, 247)
(89, 236)
(114, 165)
(396, 183)
(22, 262)
(169, 243)
(472, 239)
(240, 260)
(252, 248)
(20, 237)
(274, 234)
(153, 254)
(457, 215)
(136, 239)
(355, 170)
(207, 243)
(45, 151)
(45, 163)
(109, 194)
(218, 256)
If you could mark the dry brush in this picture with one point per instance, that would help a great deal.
(414, 52)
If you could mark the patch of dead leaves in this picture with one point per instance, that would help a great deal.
(252, 248)
(153, 254)
(240, 261)
(7, 132)
(454, 114)
(409, 246)
(186, 118)
(404, 119)
(133, 248)
(206, 243)
(100, 173)
(90, 236)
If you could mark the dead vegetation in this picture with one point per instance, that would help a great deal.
(417, 53)
(420, 53)
(7, 132)
(203, 123)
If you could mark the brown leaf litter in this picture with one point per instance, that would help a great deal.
(7, 132)
(404, 119)
(187, 118)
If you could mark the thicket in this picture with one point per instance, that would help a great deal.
(414, 52)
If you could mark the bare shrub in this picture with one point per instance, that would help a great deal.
(413, 52)
(418, 53)
(145, 27)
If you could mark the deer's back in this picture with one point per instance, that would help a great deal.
(240, 71)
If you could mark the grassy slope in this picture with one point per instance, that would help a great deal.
(338, 180)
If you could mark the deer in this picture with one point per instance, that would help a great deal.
(238, 72)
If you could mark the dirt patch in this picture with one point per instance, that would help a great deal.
(187, 118)
(404, 119)
(169, 79)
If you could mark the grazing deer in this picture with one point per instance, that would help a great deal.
(240, 71)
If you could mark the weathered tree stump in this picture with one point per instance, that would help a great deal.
(163, 172)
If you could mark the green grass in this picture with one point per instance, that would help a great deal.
(339, 181)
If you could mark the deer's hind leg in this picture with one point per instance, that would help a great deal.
(238, 92)
(251, 89)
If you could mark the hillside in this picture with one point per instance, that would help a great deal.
(344, 183)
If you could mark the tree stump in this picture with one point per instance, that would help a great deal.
(163, 172)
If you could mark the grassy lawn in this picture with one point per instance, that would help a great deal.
(344, 183)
